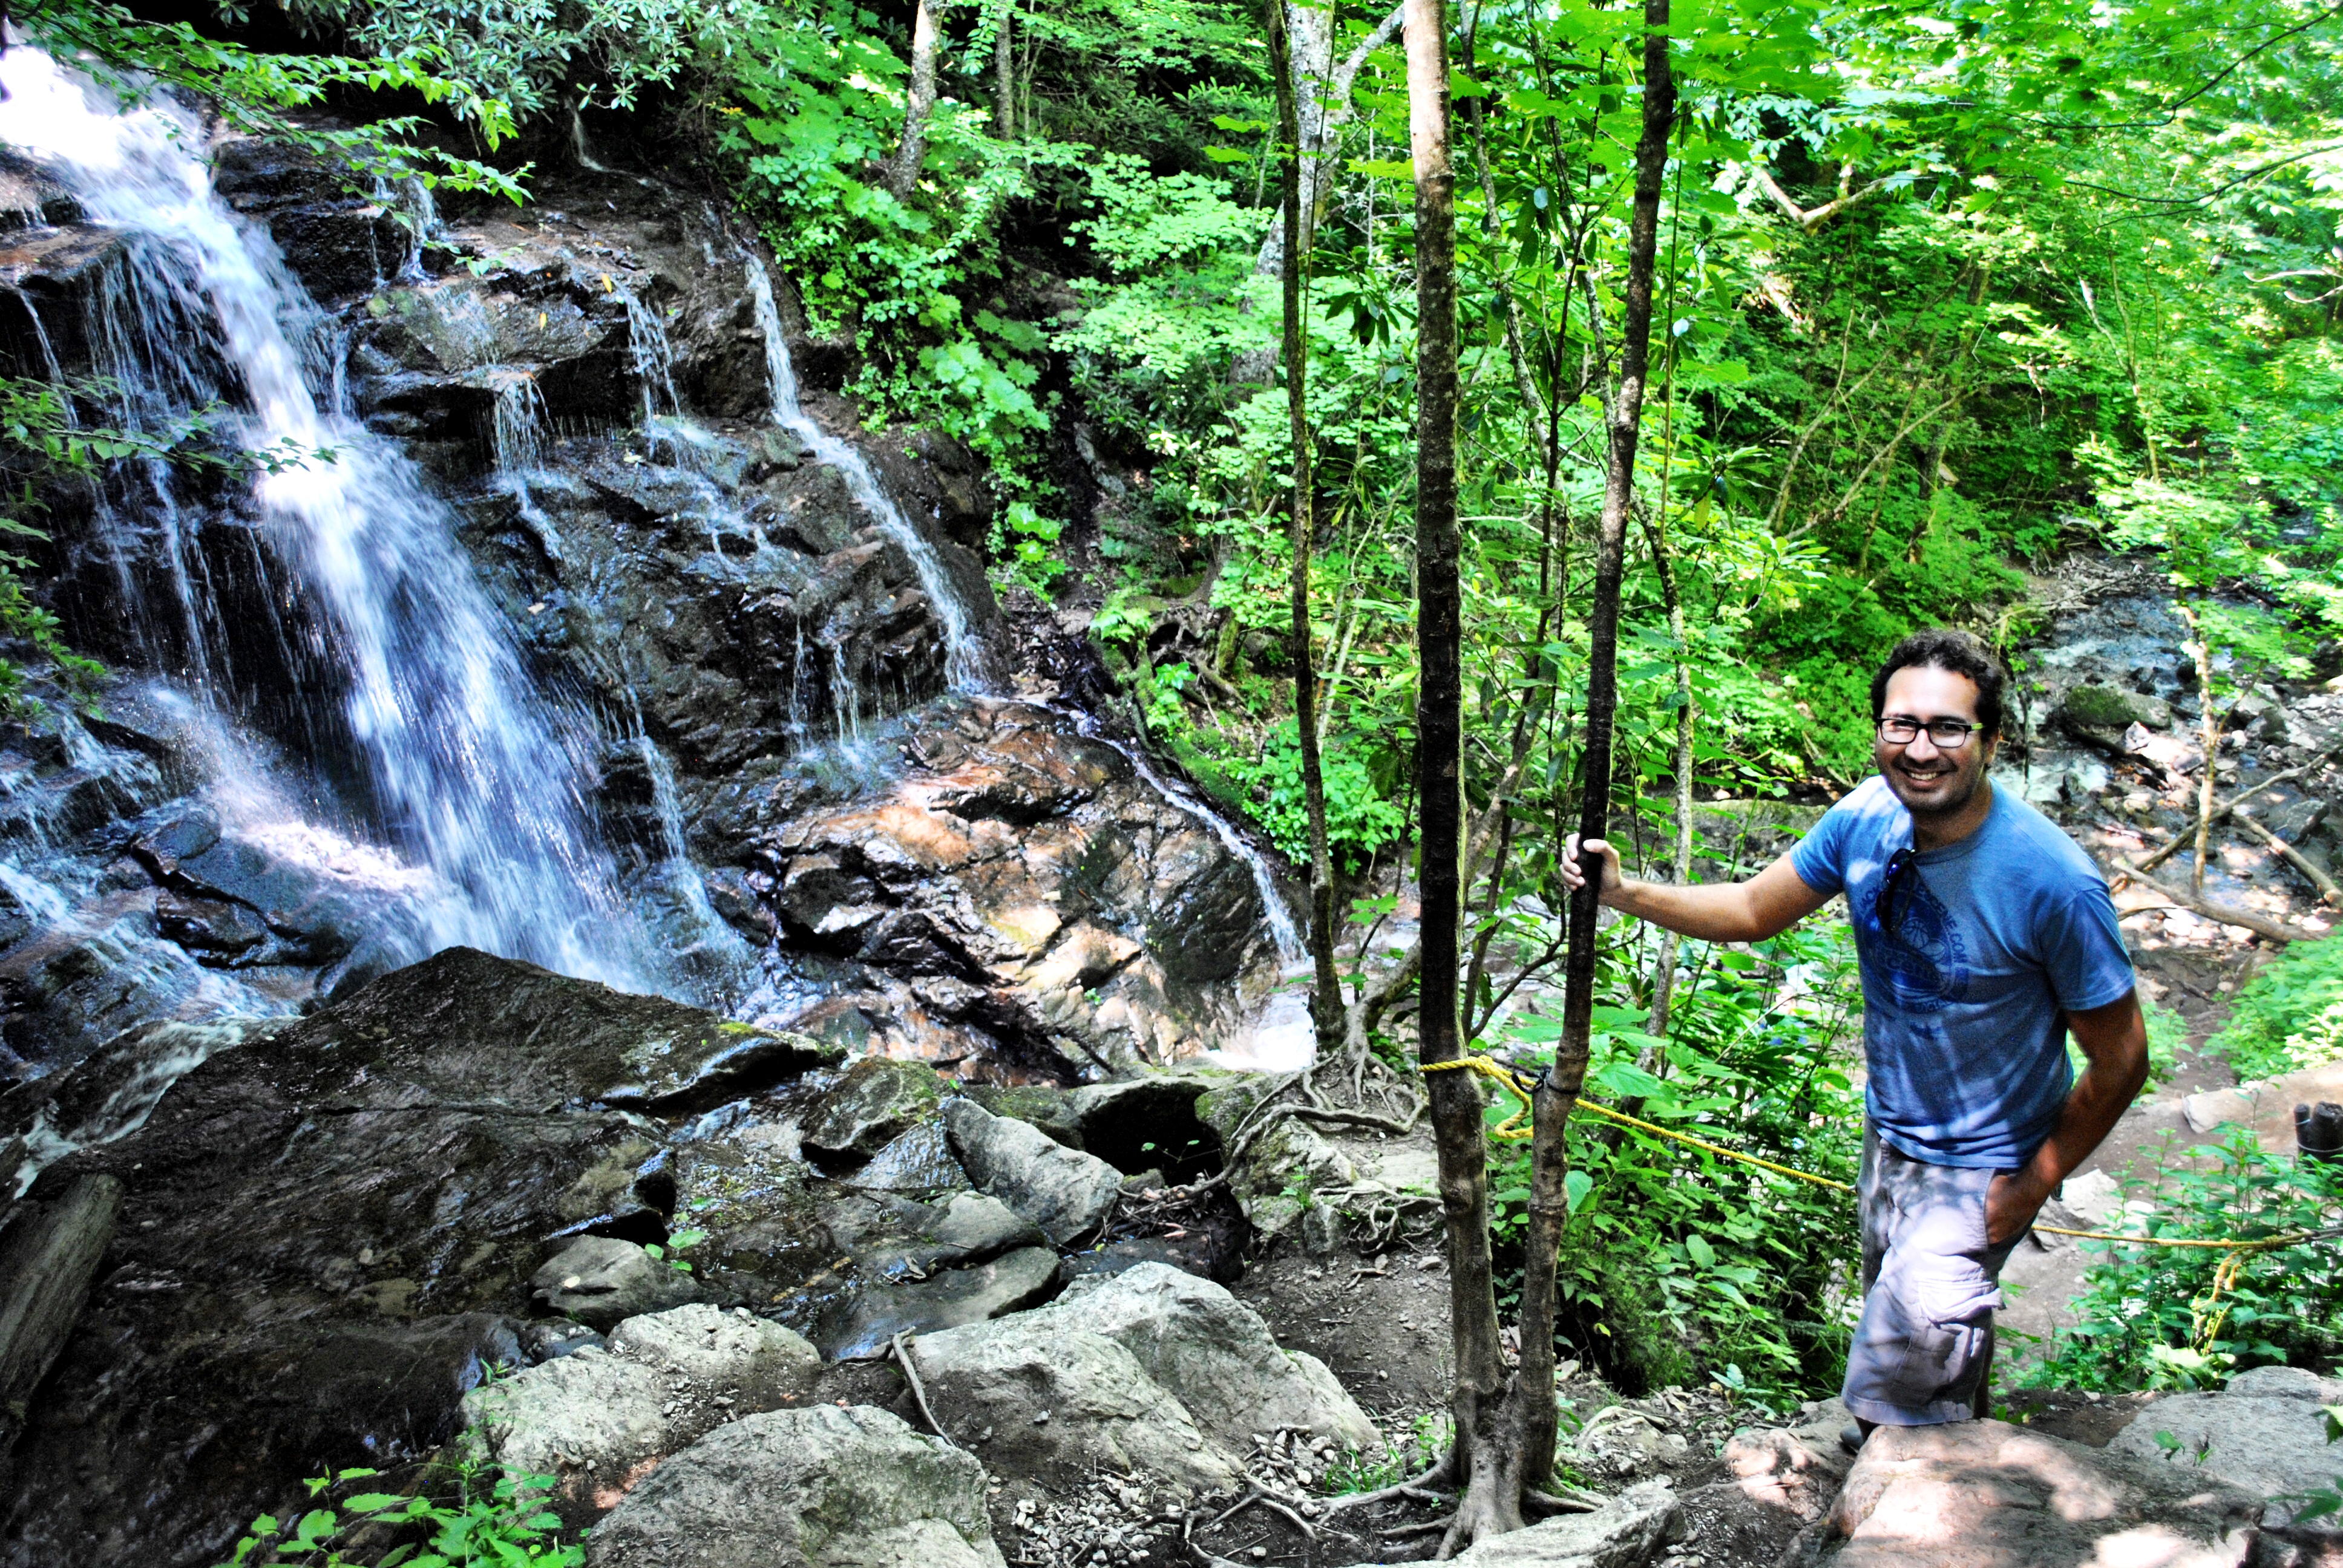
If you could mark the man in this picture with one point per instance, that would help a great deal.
(1986, 936)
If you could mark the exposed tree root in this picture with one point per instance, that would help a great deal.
(1441, 1473)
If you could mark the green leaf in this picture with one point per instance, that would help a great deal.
(1702, 1253)
(1575, 1186)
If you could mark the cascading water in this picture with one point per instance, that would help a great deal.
(472, 773)
(1281, 1037)
(964, 664)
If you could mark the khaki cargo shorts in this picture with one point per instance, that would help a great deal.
(1924, 1344)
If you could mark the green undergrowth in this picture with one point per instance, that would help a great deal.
(1678, 1267)
(2151, 1317)
(2288, 1015)
(467, 1515)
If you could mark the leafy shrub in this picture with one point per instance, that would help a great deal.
(2288, 1015)
(1359, 819)
(2150, 1317)
(482, 1521)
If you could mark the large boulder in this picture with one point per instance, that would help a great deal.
(600, 1420)
(2266, 1432)
(1984, 1493)
(1041, 1399)
(1282, 1168)
(878, 1101)
(328, 1228)
(1216, 1353)
(899, 1238)
(1065, 1191)
(828, 1487)
(2101, 714)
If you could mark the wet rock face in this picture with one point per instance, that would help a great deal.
(967, 881)
(1005, 889)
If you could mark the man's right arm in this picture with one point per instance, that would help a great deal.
(1766, 905)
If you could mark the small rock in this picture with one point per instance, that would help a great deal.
(599, 1280)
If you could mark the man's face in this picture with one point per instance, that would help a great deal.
(1930, 779)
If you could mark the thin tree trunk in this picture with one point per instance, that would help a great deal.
(1531, 1411)
(1455, 1096)
(2208, 731)
(1004, 75)
(1326, 988)
(919, 103)
(1664, 976)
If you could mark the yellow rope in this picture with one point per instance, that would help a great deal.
(1523, 1089)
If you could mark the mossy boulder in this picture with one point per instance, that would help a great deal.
(1036, 1104)
(879, 1100)
(2091, 712)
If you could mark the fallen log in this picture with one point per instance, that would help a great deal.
(2260, 925)
(2293, 856)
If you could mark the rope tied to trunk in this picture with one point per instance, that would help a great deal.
(1523, 1087)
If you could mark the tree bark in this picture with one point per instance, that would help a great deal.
(1321, 92)
(1664, 975)
(2208, 731)
(1326, 987)
(1455, 1096)
(1532, 1409)
(1004, 75)
(919, 102)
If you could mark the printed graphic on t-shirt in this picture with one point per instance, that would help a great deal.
(1923, 959)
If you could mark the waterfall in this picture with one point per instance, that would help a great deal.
(473, 774)
(964, 652)
(965, 665)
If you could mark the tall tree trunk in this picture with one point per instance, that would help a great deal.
(1004, 75)
(1326, 989)
(919, 103)
(1531, 1415)
(1440, 719)
(1321, 94)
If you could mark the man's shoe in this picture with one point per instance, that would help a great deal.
(1850, 1438)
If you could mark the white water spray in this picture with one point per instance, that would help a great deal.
(964, 652)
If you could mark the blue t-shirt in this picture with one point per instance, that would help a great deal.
(1998, 936)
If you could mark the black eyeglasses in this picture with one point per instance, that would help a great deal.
(1949, 734)
(1903, 876)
